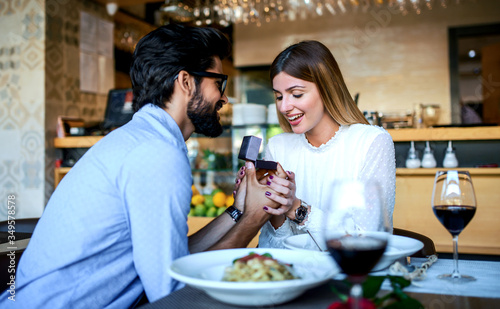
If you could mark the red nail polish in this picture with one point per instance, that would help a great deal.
(271, 177)
(268, 183)
(265, 208)
(268, 193)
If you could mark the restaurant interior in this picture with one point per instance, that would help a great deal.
(428, 71)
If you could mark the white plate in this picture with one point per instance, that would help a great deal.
(205, 270)
(398, 247)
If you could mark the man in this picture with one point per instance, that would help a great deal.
(119, 217)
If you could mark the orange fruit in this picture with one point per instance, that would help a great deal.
(219, 199)
(229, 200)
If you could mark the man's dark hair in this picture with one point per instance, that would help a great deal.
(163, 53)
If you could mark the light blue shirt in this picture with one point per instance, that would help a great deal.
(114, 224)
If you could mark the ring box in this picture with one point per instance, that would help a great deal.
(249, 151)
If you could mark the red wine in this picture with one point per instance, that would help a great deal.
(356, 255)
(454, 218)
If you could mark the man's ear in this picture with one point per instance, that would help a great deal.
(186, 83)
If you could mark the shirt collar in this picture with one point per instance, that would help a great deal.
(166, 121)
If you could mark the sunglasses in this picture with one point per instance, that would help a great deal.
(223, 77)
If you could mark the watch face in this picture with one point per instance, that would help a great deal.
(301, 213)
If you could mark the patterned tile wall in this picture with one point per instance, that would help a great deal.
(39, 80)
(63, 96)
(22, 136)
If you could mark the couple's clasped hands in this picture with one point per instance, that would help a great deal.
(268, 190)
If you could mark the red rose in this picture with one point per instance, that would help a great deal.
(363, 304)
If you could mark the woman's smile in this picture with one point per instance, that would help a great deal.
(295, 119)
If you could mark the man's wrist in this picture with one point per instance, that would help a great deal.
(234, 213)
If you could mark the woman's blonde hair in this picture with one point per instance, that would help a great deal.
(313, 62)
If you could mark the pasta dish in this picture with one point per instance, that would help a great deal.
(256, 267)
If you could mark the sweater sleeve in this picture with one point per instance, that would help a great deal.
(269, 236)
(380, 165)
(274, 238)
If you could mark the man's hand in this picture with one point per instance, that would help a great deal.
(256, 197)
(223, 232)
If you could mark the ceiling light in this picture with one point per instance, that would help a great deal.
(111, 8)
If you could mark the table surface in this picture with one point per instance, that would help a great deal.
(431, 292)
(487, 274)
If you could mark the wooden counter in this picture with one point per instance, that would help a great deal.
(413, 210)
(76, 141)
(398, 135)
(445, 134)
(196, 223)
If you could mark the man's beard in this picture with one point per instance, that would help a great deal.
(203, 116)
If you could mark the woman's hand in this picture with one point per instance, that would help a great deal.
(286, 197)
(239, 178)
(261, 174)
(256, 196)
(282, 200)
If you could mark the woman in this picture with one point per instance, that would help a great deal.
(326, 139)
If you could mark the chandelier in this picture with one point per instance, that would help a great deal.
(226, 12)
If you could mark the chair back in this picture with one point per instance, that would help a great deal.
(22, 225)
(427, 250)
(9, 258)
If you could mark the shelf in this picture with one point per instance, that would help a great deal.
(76, 141)
(59, 173)
(445, 134)
(63, 170)
(432, 171)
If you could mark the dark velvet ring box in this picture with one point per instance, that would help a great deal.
(249, 151)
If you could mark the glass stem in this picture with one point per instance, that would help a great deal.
(356, 294)
(455, 273)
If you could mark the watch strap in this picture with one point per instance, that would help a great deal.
(234, 213)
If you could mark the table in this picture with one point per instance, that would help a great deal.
(487, 274)
(431, 292)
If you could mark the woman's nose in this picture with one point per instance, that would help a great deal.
(285, 106)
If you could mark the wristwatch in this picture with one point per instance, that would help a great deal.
(301, 212)
(234, 213)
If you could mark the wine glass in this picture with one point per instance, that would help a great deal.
(356, 230)
(454, 204)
